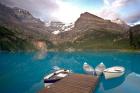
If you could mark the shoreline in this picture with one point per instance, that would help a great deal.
(100, 50)
(79, 50)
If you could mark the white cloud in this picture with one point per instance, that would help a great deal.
(111, 10)
(108, 14)
(66, 13)
(48, 9)
(39, 8)
(119, 3)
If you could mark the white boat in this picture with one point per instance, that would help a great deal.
(113, 72)
(88, 69)
(100, 68)
(55, 76)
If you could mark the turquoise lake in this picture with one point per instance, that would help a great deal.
(23, 72)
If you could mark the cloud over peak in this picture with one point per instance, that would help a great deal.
(69, 11)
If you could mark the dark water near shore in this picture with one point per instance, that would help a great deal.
(23, 72)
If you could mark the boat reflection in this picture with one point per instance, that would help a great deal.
(112, 83)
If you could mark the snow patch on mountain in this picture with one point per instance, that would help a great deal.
(57, 27)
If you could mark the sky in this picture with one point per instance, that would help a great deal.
(69, 10)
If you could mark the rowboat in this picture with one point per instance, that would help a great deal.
(113, 72)
(100, 68)
(88, 69)
(56, 76)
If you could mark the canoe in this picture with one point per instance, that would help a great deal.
(88, 69)
(56, 76)
(113, 72)
(100, 68)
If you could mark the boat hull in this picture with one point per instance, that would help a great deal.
(99, 69)
(51, 81)
(55, 76)
(114, 72)
(89, 72)
(110, 75)
(88, 69)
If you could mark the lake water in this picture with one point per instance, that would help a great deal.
(24, 72)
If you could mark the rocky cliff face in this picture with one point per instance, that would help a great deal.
(88, 21)
(134, 36)
(88, 32)
(91, 31)
(23, 25)
(20, 19)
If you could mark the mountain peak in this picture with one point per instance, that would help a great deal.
(89, 15)
(91, 21)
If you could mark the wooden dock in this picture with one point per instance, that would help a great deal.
(75, 83)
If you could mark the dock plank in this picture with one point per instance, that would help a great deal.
(75, 83)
